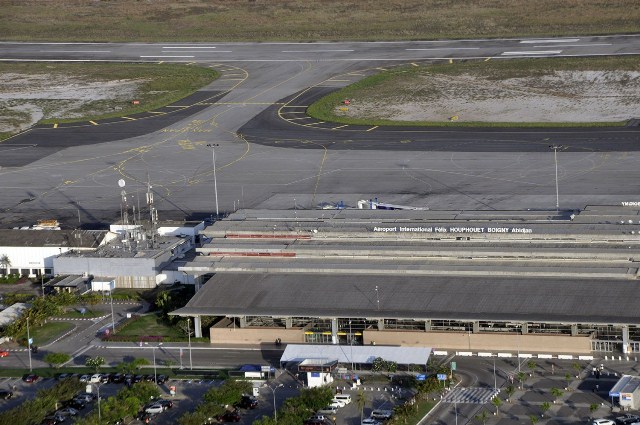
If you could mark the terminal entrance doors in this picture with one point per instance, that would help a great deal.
(606, 346)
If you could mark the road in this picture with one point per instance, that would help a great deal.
(268, 159)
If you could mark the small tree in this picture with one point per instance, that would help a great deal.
(576, 366)
(534, 419)
(509, 391)
(482, 417)
(497, 402)
(593, 407)
(5, 263)
(532, 366)
(95, 363)
(545, 408)
(556, 393)
(361, 401)
(57, 359)
(522, 377)
(568, 378)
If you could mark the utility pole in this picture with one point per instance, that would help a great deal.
(29, 345)
(215, 182)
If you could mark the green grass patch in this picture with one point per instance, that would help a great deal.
(216, 20)
(411, 83)
(46, 333)
(89, 314)
(10, 279)
(422, 408)
(150, 325)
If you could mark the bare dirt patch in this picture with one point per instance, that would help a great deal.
(560, 96)
(27, 99)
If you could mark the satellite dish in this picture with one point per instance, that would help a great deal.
(121, 183)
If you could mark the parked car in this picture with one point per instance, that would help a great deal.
(230, 416)
(4, 353)
(370, 421)
(382, 415)
(627, 419)
(336, 404)
(75, 403)
(85, 397)
(167, 404)
(248, 402)
(6, 395)
(105, 378)
(155, 408)
(67, 411)
(61, 376)
(117, 378)
(30, 378)
(84, 378)
(329, 410)
(603, 422)
(161, 379)
(138, 378)
(50, 420)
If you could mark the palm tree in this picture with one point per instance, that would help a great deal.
(576, 366)
(482, 417)
(361, 400)
(568, 378)
(556, 393)
(532, 366)
(545, 408)
(509, 392)
(5, 263)
(522, 377)
(497, 402)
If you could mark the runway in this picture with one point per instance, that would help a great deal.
(267, 158)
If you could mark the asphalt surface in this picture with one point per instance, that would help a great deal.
(269, 156)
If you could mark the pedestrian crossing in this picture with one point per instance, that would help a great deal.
(470, 395)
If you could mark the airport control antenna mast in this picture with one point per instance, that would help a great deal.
(153, 212)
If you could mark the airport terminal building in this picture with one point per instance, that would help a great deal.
(519, 281)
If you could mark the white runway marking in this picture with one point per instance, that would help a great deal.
(189, 47)
(534, 52)
(75, 51)
(449, 48)
(561, 40)
(316, 51)
(160, 56)
(581, 45)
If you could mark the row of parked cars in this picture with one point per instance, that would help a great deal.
(117, 378)
(69, 409)
(153, 409)
(325, 415)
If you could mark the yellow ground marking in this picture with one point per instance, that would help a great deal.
(293, 112)
(156, 112)
(487, 59)
(176, 106)
(186, 144)
(93, 122)
(301, 118)
(129, 118)
(372, 128)
(414, 64)
(405, 141)
(340, 126)
(68, 181)
(190, 63)
(160, 63)
(55, 125)
(231, 79)
(295, 106)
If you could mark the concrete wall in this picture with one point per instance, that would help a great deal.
(32, 257)
(255, 335)
(528, 343)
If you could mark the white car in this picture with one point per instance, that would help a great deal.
(95, 378)
(154, 408)
(336, 404)
(67, 411)
(603, 422)
(85, 378)
(328, 410)
(370, 421)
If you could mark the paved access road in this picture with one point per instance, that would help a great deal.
(269, 156)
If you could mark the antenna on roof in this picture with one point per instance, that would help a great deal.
(153, 213)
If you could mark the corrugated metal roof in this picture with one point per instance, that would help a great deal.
(361, 354)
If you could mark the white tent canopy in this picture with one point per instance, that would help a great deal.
(361, 354)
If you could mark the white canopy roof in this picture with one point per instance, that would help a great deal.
(362, 354)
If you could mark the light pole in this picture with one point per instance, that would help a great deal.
(495, 380)
(99, 412)
(113, 320)
(555, 160)
(29, 345)
(351, 343)
(155, 370)
(189, 336)
(215, 182)
(275, 412)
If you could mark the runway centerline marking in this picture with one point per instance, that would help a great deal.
(448, 48)
(560, 40)
(189, 47)
(580, 45)
(167, 56)
(532, 52)
(317, 51)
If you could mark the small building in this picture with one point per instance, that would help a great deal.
(72, 284)
(31, 251)
(627, 391)
(319, 371)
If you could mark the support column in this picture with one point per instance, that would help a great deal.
(574, 329)
(380, 324)
(334, 331)
(242, 321)
(476, 327)
(525, 328)
(197, 326)
(427, 325)
(288, 323)
(625, 339)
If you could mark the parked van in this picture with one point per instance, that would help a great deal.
(345, 398)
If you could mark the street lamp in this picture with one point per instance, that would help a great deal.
(351, 344)
(155, 370)
(215, 182)
(99, 412)
(189, 336)
(555, 160)
(275, 412)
